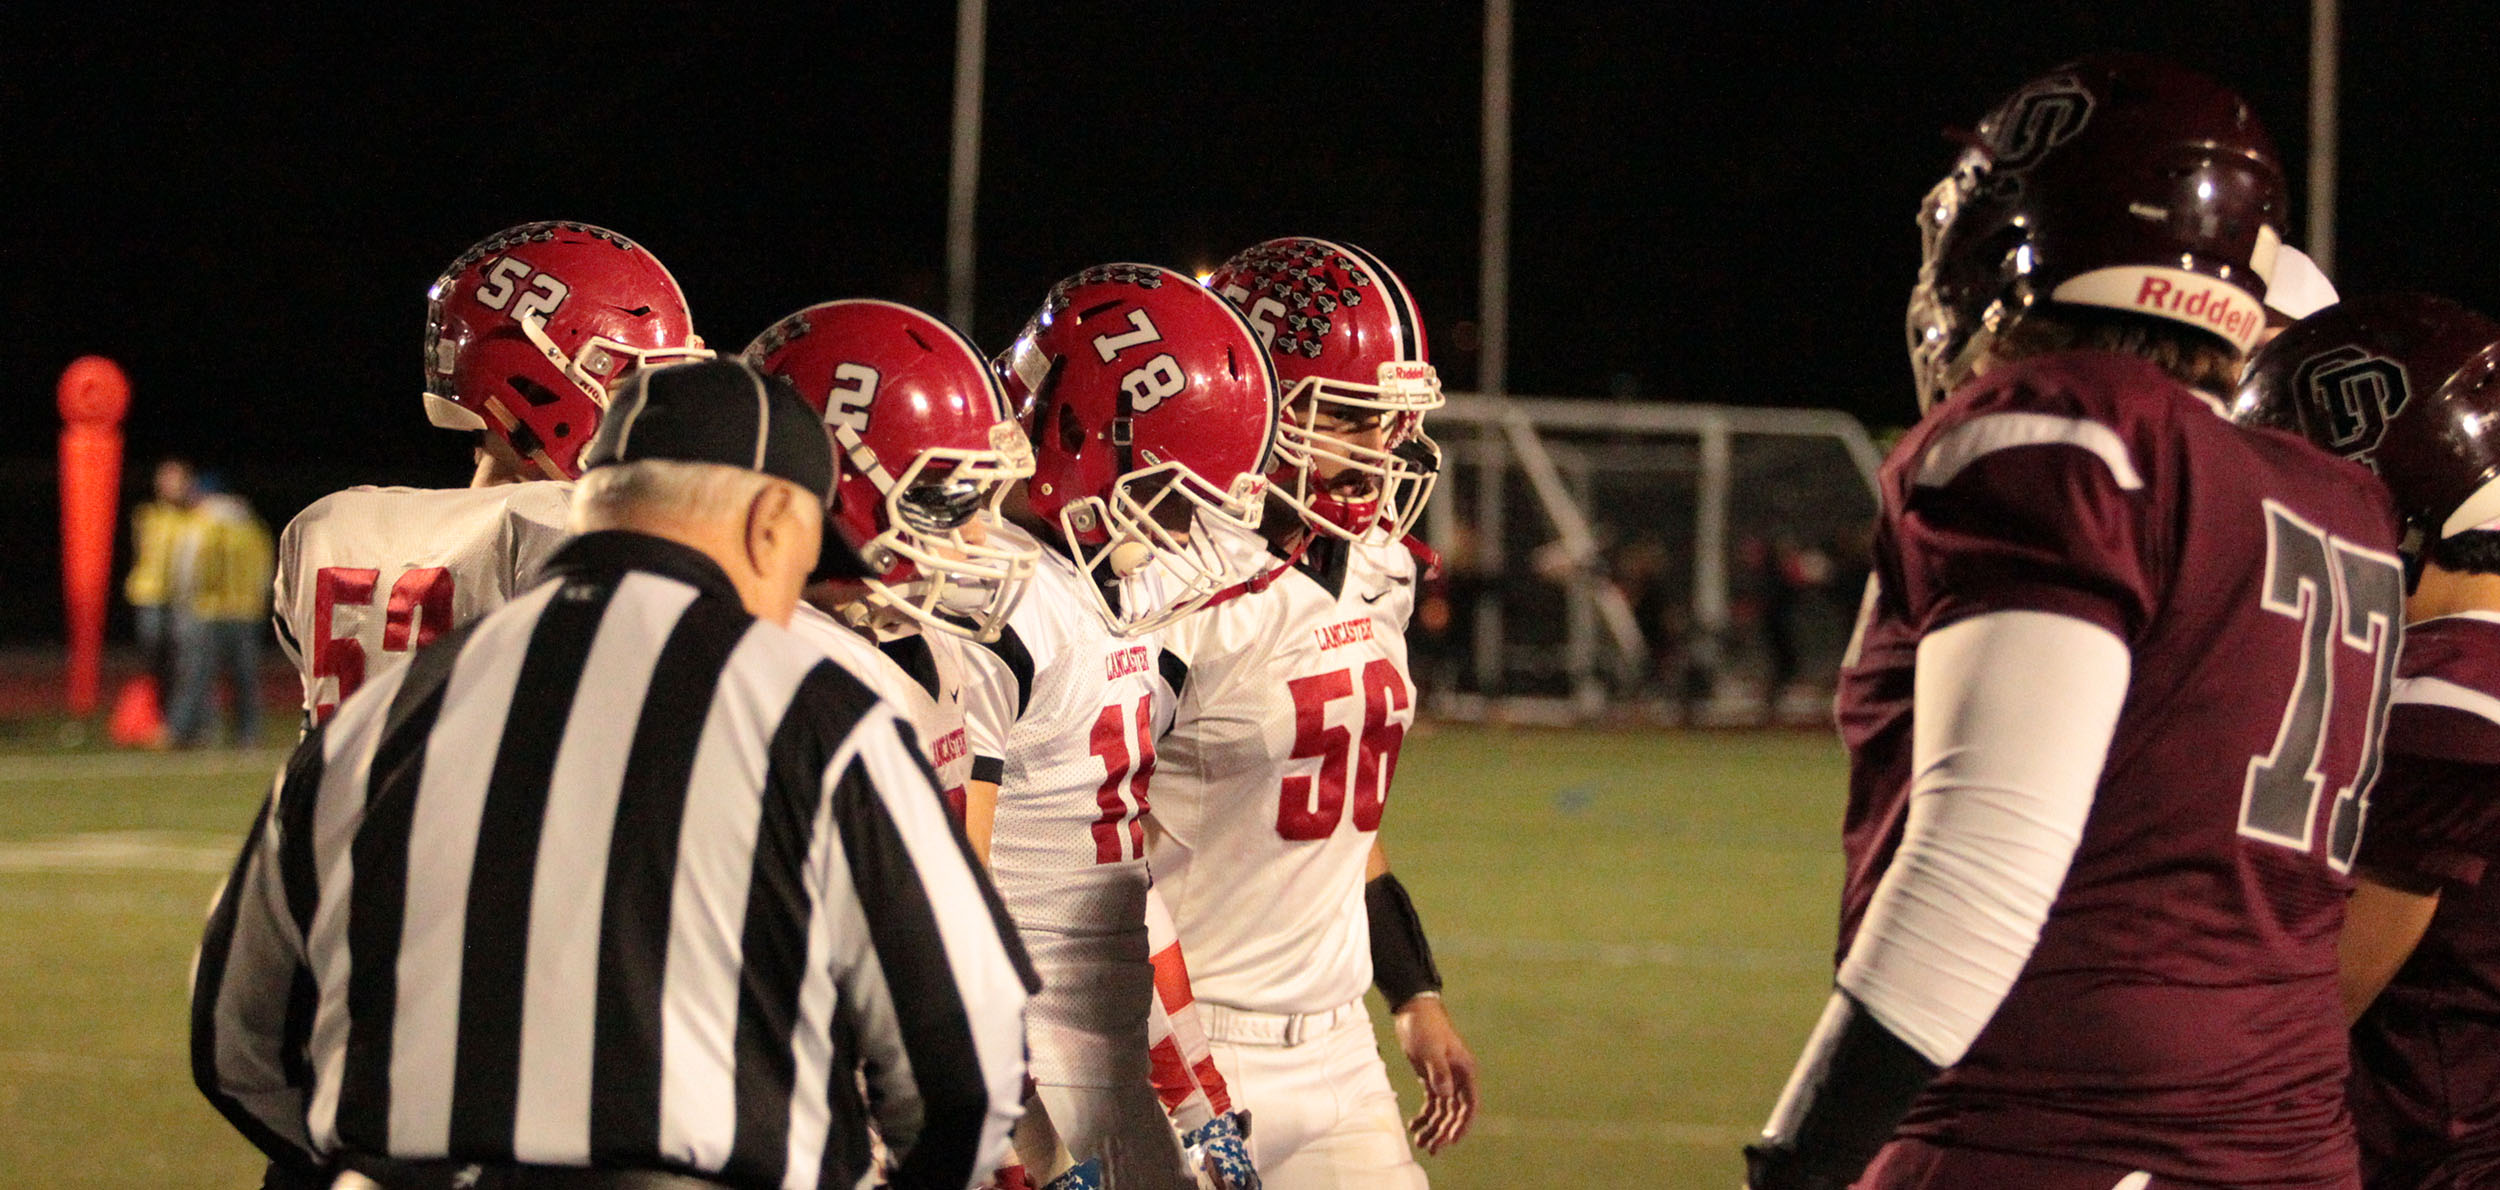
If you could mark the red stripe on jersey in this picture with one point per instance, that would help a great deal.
(1171, 1075)
(1211, 1081)
(1172, 979)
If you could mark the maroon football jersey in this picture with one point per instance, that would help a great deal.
(2426, 1056)
(2180, 1014)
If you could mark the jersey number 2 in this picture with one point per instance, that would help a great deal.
(2339, 593)
(418, 611)
(1308, 807)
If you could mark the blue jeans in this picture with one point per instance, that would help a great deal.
(205, 650)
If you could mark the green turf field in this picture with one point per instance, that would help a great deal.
(1633, 926)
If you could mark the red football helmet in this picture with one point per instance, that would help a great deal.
(1344, 334)
(1152, 411)
(526, 333)
(2405, 384)
(928, 449)
(2120, 181)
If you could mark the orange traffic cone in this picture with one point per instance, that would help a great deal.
(137, 722)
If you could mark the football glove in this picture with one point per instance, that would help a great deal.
(1084, 1175)
(1220, 1151)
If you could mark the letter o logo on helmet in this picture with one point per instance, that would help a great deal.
(2406, 384)
(2038, 118)
(2359, 393)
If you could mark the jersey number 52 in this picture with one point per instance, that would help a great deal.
(418, 610)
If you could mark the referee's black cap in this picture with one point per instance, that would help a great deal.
(724, 411)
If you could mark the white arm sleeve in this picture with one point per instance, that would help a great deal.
(2013, 715)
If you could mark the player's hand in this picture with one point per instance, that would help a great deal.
(1448, 1070)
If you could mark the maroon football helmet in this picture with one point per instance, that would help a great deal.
(1348, 344)
(928, 449)
(2403, 383)
(1152, 409)
(2119, 181)
(531, 328)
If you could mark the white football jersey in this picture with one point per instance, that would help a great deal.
(366, 575)
(1063, 715)
(1270, 785)
(922, 674)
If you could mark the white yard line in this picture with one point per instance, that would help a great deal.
(121, 851)
(89, 898)
(1651, 1132)
(1636, 954)
(98, 766)
(45, 1064)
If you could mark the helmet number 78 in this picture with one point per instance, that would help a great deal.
(1160, 377)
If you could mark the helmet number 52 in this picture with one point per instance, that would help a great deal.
(504, 279)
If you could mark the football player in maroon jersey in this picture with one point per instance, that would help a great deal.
(2410, 385)
(2110, 708)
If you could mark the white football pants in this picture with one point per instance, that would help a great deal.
(1322, 1115)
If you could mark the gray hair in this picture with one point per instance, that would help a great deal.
(614, 496)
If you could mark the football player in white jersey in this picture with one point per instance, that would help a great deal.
(927, 449)
(526, 334)
(1294, 698)
(1151, 409)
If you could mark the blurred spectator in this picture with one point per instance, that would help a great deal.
(1683, 663)
(156, 530)
(220, 574)
(1438, 649)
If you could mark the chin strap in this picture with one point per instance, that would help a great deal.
(1265, 578)
(1427, 559)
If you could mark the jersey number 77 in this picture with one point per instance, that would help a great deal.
(2342, 595)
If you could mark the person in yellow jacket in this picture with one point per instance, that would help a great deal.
(156, 530)
(220, 574)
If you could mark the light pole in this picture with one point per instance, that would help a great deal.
(963, 177)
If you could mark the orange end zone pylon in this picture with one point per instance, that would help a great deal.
(94, 395)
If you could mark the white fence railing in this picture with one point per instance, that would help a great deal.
(1612, 492)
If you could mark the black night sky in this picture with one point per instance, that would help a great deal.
(1713, 202)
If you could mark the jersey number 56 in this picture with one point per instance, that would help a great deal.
(1308, 807)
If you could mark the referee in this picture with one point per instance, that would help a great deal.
(621, 886)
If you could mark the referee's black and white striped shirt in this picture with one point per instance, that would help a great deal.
(617, 876)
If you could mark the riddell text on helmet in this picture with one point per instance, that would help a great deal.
(2225, 309)
(2175, 294)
